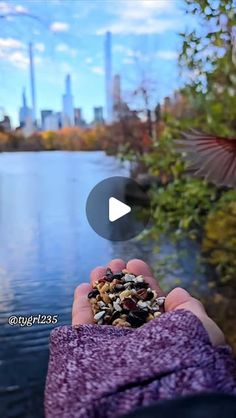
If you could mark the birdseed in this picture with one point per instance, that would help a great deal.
(124, 300)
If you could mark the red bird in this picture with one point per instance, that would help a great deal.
(211, 157)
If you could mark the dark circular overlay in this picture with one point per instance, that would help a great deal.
(126, 191)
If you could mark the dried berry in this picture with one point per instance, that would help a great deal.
(114, 316)
(142, 294)
(118, 275)
(119, 287)
(140, 314)
(93, 293)
(134, 320)
(141, 285)
(109, 274)
(129, 304)
(102, 279)
(149, 295)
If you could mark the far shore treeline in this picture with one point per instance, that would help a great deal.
(111, 138)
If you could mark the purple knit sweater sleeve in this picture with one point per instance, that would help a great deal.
(104, 371)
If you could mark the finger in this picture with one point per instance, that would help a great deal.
(81, 309)
(179, 298)
(176, 298)
(117, 265)
(96, 274)
(139, 267)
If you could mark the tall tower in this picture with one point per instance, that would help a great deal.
(68, 107)
(32, 82)
(25, 114)
(116, 97)
(108, 76)
(24, 98)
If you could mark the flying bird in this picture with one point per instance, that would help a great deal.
(211, 157)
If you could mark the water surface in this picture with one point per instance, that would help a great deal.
(46, 248)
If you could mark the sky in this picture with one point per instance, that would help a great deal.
(68, 37)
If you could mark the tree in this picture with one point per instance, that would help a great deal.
(209, 55)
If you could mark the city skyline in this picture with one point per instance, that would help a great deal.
(69, 115)
(53, 119)
(145, 38)
(66, 116)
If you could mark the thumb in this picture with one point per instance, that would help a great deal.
(179, 298)
(81, 309)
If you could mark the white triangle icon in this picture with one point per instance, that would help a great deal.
(117, 209)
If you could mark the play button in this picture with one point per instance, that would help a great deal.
(118, 208)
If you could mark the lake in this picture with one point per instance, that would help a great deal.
(47, 248)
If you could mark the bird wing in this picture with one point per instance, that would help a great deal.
(211, 157)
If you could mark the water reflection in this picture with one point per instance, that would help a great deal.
(47, 248)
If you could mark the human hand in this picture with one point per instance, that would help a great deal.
(178, 298)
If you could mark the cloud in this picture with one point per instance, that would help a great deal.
(130, 55)
(21, 9)
(167, 55)
(151, 26)
(10, 43)
(4, 7)
(88, 60)
(66, 68)
(16, 58)
(97, 70)
(151, 16)
(59, 27)
(15, 52)
(146, 9)
(9, 8)
(39, 47)
(128, 61)
(66, 49)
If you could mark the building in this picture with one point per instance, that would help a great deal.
(108, 77)
(59, 116)
(68, 118)
(51, 122)
(5, 124)
(98, 115)
(177, 106)
(167, 106)
(25, 114)
(116, 93)
(27, 124)
(79, 121)
(44, 115)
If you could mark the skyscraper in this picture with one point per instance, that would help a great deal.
(117, 102)
(32, 83)
(79, 121)
(108, 77)
(25, 114)
(25, 117)
(68, 118)
(44, 114)
(98, 115)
